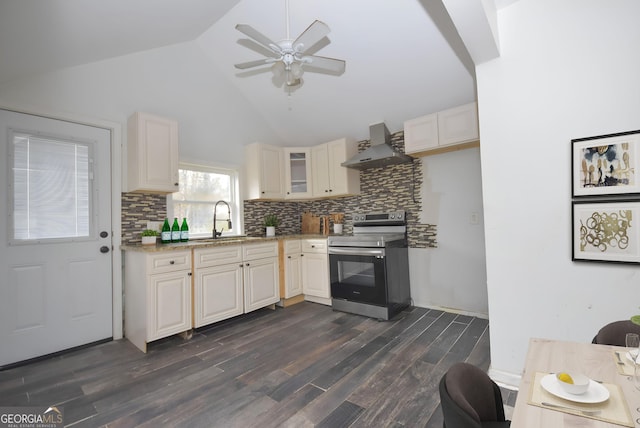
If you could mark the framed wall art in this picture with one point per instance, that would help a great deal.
(606, 231)
(606, 165)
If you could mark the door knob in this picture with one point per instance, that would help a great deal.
(104, 249)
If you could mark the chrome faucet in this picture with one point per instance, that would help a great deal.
(215, 211)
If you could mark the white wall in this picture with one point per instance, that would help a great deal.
(567, 70)
(452, 276)
(177, 81)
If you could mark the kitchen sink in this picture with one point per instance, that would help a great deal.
(226, 239)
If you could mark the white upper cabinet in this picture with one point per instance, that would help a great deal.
(297, 173)
(330, 178)
(264, 172)
(451, 129)
(421, 133)
(152, 154)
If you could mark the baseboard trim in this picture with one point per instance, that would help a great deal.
(506, 379)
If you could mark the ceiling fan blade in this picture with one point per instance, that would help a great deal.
(250, 64)
(258, 37)
(312, 35)
(323, 63)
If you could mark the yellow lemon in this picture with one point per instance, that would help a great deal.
(564, 377)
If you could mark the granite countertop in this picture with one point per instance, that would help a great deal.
(210, 242)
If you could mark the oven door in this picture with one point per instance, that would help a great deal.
(358, 274)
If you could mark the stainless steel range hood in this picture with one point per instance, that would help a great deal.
(380, 153)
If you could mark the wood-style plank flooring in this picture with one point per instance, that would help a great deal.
(301, 366)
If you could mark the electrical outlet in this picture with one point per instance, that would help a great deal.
(155, 225)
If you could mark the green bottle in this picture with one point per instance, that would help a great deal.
(175, 231)
(184, 231)
(165, 236)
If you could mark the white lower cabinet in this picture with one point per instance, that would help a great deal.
(315, 271)
(291, 265)
(218, 293)
(260, 283)
(157, 295)
(234, 279)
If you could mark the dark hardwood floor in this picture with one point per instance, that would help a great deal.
(305, 365)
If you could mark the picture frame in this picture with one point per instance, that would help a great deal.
(606, 165)
(606, 231)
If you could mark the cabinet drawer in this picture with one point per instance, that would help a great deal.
(169, 262)
(314, 246)
(292, 246)
(225, 254)
(260, 251)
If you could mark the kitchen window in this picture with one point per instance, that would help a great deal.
(201, 186)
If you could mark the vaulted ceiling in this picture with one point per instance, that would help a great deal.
(404, 58)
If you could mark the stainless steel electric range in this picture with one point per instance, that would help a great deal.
(369, 270)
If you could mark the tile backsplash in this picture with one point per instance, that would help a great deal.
(137, 209)
(395, 187)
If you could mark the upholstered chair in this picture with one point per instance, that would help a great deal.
(615, 332)
(470, 399)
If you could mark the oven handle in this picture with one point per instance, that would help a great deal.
(351, 251)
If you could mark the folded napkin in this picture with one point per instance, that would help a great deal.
(626, 368)
(614, 410)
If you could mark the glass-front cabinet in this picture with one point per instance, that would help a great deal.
(297, 173)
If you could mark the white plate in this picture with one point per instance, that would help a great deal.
(596, 393)
(631, 354)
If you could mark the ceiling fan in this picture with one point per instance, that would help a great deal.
(291, 57)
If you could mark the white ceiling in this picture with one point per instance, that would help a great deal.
(404, 57)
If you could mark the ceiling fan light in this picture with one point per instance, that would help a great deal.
(296, 70)
(278, 69)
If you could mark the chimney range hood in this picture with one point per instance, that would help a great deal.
(380, 153)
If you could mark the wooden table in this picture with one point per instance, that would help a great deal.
(552, 356)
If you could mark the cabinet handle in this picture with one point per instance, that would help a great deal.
(301, 255)
(176, 184)
(247, 264)
(326, 191)
(189, 274)
(172, 262)
(241, 265)
(313, 246)
(288, 257)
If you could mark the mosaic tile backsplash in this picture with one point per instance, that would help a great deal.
(395, 187)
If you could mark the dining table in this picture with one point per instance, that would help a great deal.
(611, 401)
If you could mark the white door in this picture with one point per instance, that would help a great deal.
(55, 236)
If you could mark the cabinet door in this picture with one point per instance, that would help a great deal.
(218, 293)
(330, 178)
(272, 185)
(320, 170)
(315, 275)
(152, 154)
(292, 275)
(421, 134)
(297, 173)
(260, 283)
(264, 175)
(458, 125)
(342, 180)
(169, 304)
